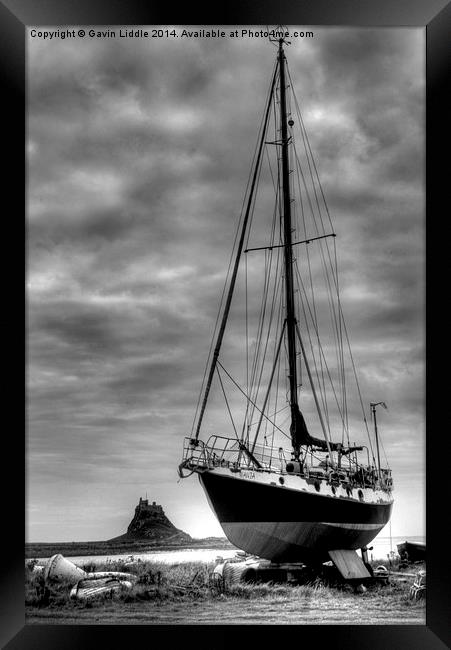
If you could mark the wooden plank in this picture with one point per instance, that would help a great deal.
(349, 564)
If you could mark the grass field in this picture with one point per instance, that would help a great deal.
(71, 549)
(185, 594)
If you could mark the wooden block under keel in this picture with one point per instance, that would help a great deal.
(349, 564)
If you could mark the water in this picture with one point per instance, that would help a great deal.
(381, 549)
(169, 557)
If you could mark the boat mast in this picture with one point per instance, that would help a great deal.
(297, 421)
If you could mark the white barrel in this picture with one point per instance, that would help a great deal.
(234, 572)
(58, 568)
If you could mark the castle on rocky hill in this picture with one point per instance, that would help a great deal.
(152, 510)
(150, 522)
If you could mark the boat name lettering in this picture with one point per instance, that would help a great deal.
(248, 474)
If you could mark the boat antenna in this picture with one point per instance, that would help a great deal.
(373, 410)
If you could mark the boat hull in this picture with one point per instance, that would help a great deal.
(285, 524)
(412, 551)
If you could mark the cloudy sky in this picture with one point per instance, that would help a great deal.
(138, 155)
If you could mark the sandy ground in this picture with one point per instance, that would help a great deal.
(354, 610)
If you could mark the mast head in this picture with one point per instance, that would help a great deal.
(278, 35)
(374, 404)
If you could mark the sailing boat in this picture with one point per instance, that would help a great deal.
(321, 494)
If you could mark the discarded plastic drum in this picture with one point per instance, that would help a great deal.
(89, 588)
(58, 568)
(234, 572)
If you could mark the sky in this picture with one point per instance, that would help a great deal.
(138, 154)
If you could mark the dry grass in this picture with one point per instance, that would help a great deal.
(162, 589)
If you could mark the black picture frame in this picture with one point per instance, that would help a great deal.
(435, 17)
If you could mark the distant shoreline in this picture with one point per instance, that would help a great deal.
(130, 547)
(68, 549)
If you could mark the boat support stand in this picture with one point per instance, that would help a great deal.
(352, 567)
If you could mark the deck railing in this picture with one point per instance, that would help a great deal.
(220, 451)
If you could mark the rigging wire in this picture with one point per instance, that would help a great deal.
(334, 269)
(262, 307)
(252, 211)
(313, 310)
(247, 397)
(322, 382)
(335, 266)
(338, 343)
(251, 198)
(247, 338)
(320, 347)
(260, 354)
(318, 231)
(271, 316)
(322, 389)
(284, 408)
(272, 292)
(227, 403)
(334, 275)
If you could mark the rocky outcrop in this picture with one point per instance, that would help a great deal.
(150, 523)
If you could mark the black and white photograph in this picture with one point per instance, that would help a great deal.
(225, 242)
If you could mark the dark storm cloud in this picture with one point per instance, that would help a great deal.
(139, 153)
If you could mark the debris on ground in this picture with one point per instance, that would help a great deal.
(85, 584)
(381, 574)
(92, 586)
(249, 568)
(120, 575)
(58, 568)
(418, 589)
